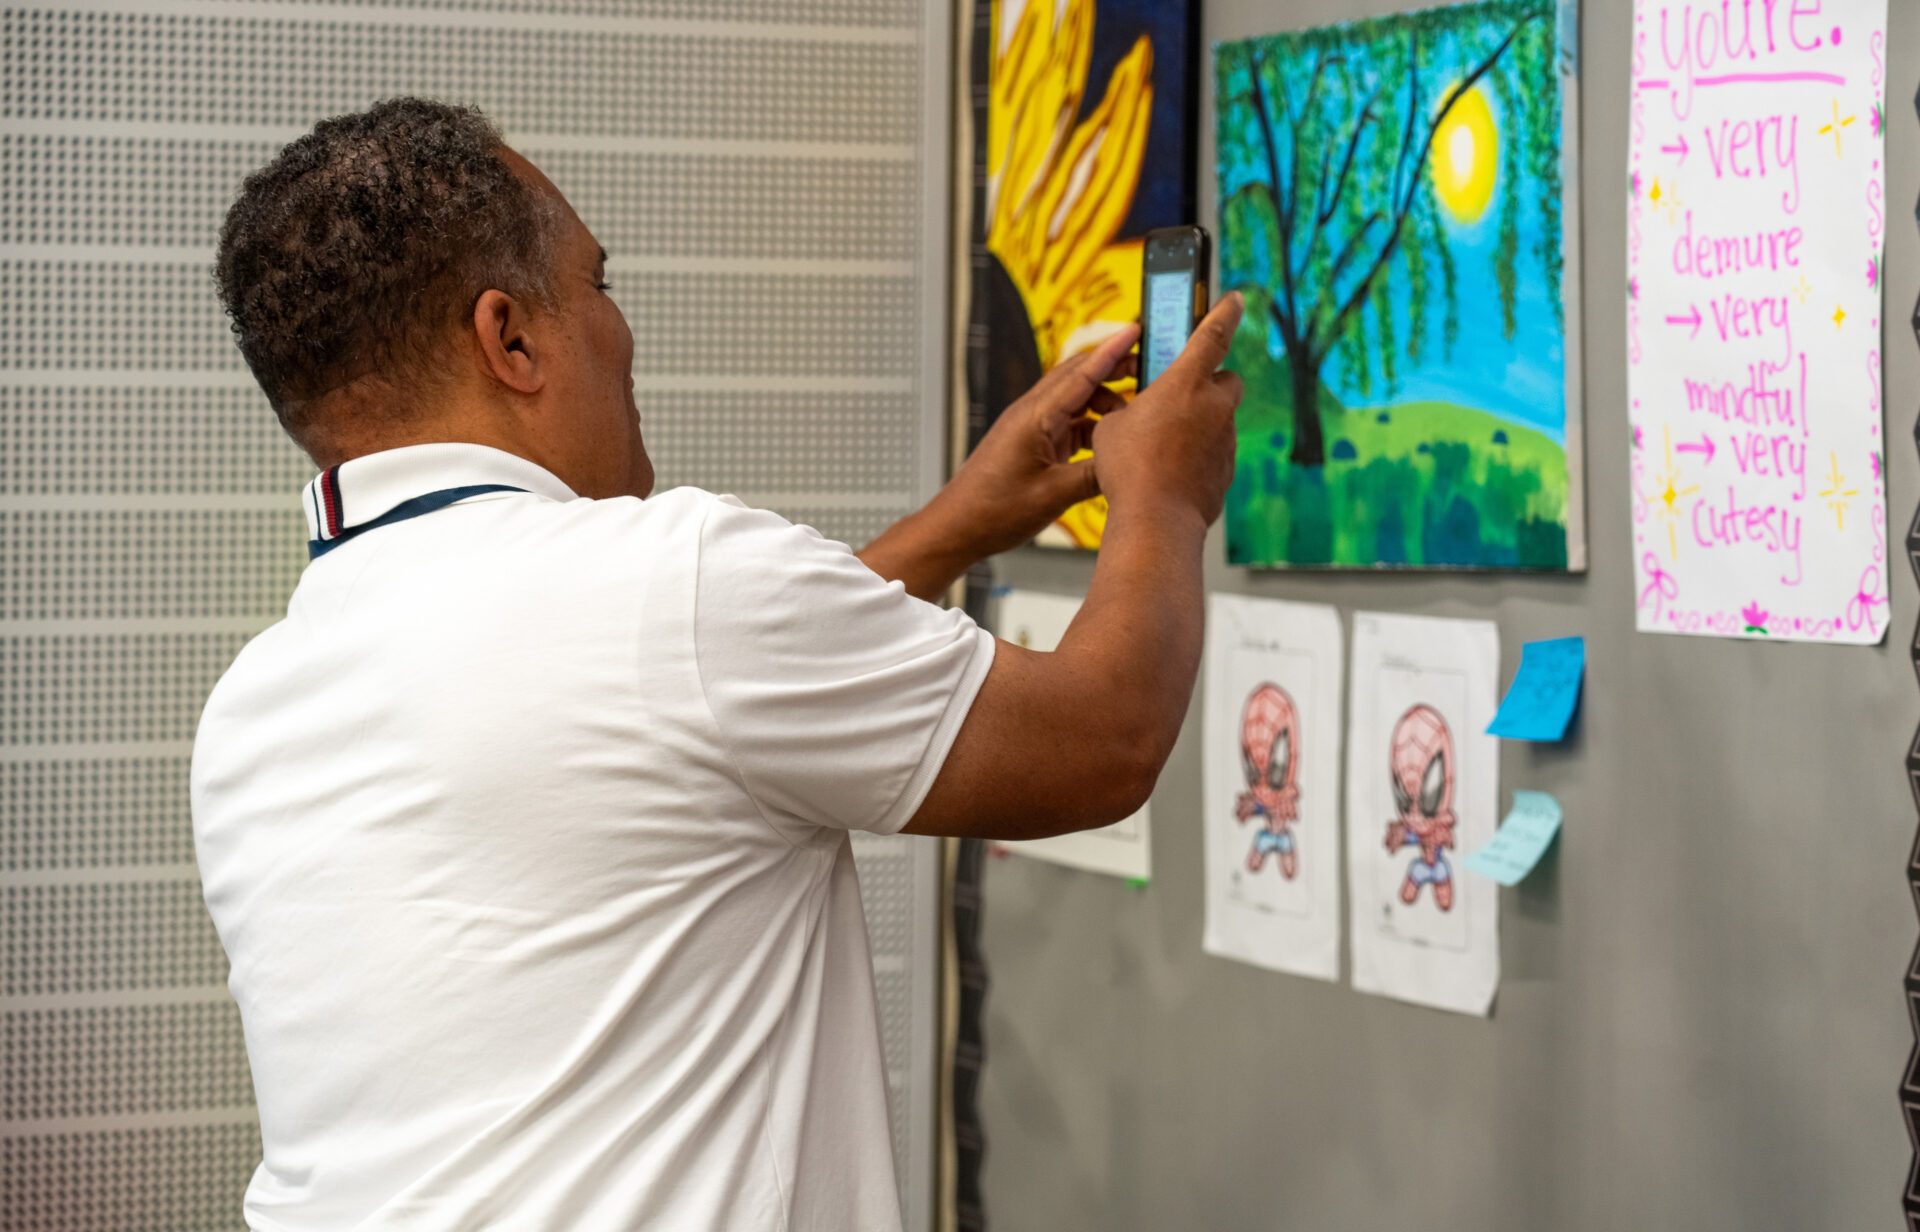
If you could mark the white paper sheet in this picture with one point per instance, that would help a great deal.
(1124, 849)
(1270, 774)
(1755, 250)
(1422, 790)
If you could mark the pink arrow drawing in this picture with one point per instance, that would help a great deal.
(1705, 446)
(1680, 149)
(1693, 320)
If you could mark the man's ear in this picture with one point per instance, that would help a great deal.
(507, 351)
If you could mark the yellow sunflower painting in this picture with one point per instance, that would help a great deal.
(1072, 183)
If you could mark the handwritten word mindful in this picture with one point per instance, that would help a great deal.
(1756, 403)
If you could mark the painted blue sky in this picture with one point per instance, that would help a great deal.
(1523, 380)
(1520, 379)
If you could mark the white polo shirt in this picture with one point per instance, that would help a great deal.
(526, 834)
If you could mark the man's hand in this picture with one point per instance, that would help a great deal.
(1017, 480)
(1020, 478)
(1174, 444)
(1076, 737)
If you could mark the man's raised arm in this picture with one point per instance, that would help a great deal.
(1075, 738)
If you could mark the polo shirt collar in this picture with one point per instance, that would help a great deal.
(361, 489)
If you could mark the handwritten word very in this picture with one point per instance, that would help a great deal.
(1776, 454)
(1714, 256)
(1741, 316)
(1741, 148)
(1773, 528)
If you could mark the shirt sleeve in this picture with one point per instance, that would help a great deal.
(837, 695)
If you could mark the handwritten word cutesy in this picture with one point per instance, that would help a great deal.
(1715, 256)
(1741, 148)
(1773, 528)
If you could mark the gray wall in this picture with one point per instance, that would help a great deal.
(1700, 1023)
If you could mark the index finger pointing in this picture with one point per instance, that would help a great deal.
(1206, 350)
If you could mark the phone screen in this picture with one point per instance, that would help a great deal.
(1169, 318)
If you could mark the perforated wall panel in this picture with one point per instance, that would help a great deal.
(769, 177)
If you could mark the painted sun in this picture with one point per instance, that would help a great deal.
(1465, 157)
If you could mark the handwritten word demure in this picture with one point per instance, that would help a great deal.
(1720, 256)
(1696, 39)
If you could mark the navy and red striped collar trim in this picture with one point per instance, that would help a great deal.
(361, 489)
(325, 516)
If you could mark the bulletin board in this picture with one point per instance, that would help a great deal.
(1699, 1021)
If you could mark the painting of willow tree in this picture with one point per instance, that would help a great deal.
(1391, 197)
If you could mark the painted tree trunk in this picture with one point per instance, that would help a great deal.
(1309, 441)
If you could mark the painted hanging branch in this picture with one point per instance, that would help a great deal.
(1341, 197)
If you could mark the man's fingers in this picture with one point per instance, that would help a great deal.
(1103, 401)
(1073, 380)
(1074, 483)
(1207, 349)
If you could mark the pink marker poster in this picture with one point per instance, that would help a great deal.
(1754, 256)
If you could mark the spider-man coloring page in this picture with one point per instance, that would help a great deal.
(1421, 792)
(1270, 784)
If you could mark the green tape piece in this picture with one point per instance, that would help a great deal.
(1138, 883)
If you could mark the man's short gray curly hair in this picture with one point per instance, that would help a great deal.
(359, 245)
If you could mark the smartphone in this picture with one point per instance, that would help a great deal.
(1173, 294)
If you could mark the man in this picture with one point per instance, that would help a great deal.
(526, 830)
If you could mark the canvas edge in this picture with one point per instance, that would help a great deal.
(1573, 345)
(1573, 419)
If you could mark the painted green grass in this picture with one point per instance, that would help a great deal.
(1417, 484)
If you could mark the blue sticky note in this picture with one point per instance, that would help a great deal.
(1539, 702)
(1522, 839)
